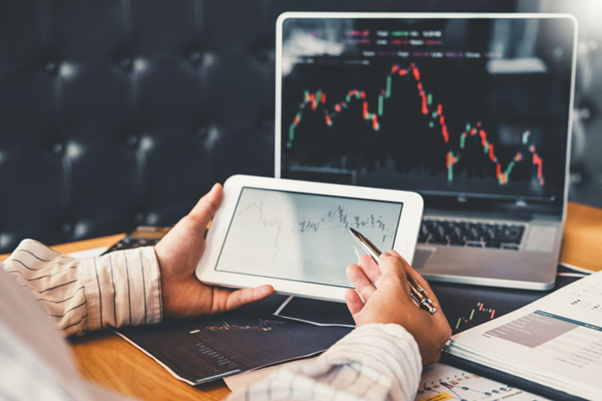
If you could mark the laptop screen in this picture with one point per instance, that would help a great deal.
(457, 109)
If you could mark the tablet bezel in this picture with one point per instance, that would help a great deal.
(404, 242)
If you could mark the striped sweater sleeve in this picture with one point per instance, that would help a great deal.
(118, 289)
(374, 363)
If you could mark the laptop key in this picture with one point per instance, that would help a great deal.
(507, 240)
(458, 233)
(473, 236)
(438, 241)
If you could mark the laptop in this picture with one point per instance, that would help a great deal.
(473, 111)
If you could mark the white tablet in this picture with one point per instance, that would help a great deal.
(294, 234)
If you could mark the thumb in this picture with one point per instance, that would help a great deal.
(246, 296)
(393, 266)
(203, 211)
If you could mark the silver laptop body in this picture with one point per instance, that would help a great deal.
(496, 219)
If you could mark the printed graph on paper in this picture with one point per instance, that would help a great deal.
(261, 325)
(468, 306)
(303, 237)
(440, 382)
(589, 298)
(204, 349)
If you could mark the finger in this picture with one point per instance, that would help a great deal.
(393, 267)
(438, 315)
(424, 284)
(205, 209)
(371, 269)
(353, 300)
(246, 296)
(360, 281)
(391, 263)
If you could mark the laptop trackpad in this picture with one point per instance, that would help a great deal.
(422, 256)
(541, 238)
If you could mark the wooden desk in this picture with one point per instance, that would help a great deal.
(108, 360)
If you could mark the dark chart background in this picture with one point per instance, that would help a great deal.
(460, 65)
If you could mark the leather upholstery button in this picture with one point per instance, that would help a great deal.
(81, 229)
(132, 140)
(138, 217)
(194, 55)
(66, 228)
(209, 59)
(202, 132)
(66, 70)
(152, 219)
(5, 240)
(146, 143)
(140, 65)
(50, 66)
(57, 148)
(74, 150)
(125, 63)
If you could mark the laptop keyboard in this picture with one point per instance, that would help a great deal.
(471, 234)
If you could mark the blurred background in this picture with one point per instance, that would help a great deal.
(118, 113)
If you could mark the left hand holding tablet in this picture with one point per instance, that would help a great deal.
(178, 254)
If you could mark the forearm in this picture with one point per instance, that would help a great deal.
(374, 362)
(118, 289)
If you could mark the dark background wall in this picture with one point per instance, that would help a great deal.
(116, 113)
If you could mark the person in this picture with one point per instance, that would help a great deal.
(380, 360)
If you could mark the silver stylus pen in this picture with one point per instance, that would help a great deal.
(419, 295)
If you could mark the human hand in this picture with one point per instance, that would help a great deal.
(178, 254)
(386, 291)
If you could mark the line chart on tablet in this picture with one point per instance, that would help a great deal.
(281, 219)
(303, 236)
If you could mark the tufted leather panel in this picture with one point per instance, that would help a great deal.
(115, 113)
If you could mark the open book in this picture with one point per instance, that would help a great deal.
(554, 343)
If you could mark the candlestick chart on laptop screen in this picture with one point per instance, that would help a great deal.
(441, 106)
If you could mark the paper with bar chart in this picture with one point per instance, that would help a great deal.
(303, 237)
(555, 341)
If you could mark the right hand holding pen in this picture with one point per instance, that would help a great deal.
(385, 289)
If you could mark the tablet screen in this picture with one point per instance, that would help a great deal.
(303, 237)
